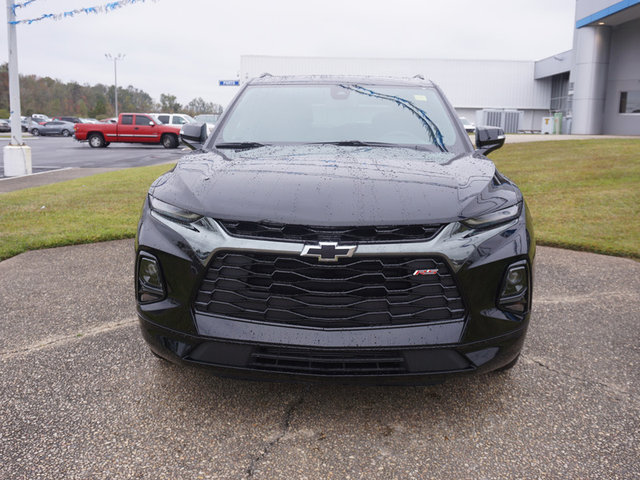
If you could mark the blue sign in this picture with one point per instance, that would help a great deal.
(229, 83)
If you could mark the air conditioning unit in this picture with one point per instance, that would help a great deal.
(508, 120)
(511, 120)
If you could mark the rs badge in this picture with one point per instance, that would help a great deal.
(432, 271)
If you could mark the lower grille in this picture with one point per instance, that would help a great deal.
(355, 292)
(289, 360)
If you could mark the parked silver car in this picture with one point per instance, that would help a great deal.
(55, 127)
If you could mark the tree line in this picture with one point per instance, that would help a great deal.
(53, 97)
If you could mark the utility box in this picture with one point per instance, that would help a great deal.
(547, 125)
(557, 123)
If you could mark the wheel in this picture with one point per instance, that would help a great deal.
(509, 365)
(96, 140)
(35, 132)
(66, 133)
(169, 141)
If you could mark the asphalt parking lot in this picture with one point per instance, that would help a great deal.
(82, 397)
(53, 153)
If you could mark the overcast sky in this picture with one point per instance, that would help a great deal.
(184, 47)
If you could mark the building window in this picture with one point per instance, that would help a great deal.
(560, 93)
(630, 102)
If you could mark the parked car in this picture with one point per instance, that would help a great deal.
(209, 119)
(336, 228)
(89, 120)
(468, 126)
(131, 128)
(5, 126)
(110, 120)
(175, 119)
(69, 119)
(55, 127)
(39, 118)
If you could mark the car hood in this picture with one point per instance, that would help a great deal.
(335, 185)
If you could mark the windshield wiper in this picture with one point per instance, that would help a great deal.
(359, 143)
(354, 143)
(240, 145)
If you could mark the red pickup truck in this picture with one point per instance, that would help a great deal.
(131, 128)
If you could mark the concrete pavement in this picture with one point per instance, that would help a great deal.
(82, 397)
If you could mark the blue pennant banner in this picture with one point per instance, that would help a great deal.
(105, 8)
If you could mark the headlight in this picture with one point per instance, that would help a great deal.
(494, 218)
(172, 212)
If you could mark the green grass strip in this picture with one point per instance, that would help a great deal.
(85, 210)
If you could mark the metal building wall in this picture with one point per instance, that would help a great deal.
(623, 75)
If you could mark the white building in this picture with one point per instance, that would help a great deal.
(596, 86)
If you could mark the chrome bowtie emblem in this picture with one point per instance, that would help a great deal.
(328, 251)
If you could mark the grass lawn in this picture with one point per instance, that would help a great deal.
(583, 194)
(85, 210)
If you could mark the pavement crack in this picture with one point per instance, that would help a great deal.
(615, 389)
(284, 429)
(63, 339)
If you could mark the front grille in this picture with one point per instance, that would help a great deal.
(305, 233)
(354, 292)
(320, 362)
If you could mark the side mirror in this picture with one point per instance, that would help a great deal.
(489, 139)
(151, 124)
(193, 135)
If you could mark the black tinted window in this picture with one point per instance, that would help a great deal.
(163, 118)
(127, 120)
(142, 120)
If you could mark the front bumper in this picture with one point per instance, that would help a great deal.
(406, 365)
(486, 339)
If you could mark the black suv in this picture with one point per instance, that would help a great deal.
(336, 228)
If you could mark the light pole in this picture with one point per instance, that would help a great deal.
(115, 59)
(16, 155)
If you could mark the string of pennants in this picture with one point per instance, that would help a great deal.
(105, 8)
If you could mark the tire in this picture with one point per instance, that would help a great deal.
(96, 141)
(509, 365)
(169, 141)
(66, 133)
(35, 132)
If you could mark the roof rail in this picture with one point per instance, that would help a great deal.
(265, 74)
(419, 75)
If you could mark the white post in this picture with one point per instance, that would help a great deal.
(17, 156)
(115, 59)
(115, 75)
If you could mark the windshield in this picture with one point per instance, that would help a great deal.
(286, 114)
